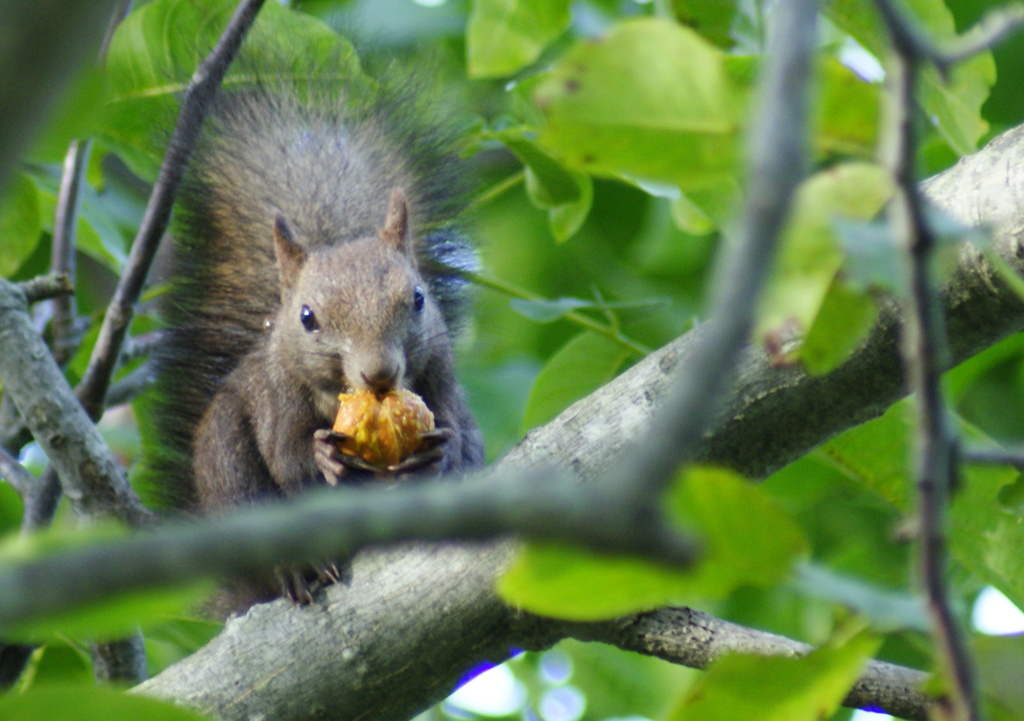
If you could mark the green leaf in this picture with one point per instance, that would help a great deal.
(844, 318)
(20, 223)
(689, 217)
(149, 67)
(749, 538)
(115, 617)
(999, 660)
(755, 688)
(584, 364)
(88, 703)
(746, 537)
(651, 101)
(547, 311)
(713, 19)
(847, 113)
(97, 235)
(505, 35)
(986, 536)
(954, 107)
(810, 254)
(566, 193)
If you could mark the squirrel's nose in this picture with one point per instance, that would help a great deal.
(381, 379)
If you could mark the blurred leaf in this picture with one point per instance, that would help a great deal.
(506, 35)
(985, 536)
(886, 610)
(547, 311)
(20, 224)
(584, 364)
(75, 119)
(954, 108)
(88, 703)
(566, 193)
(650, 101)
(149, 67)
(843, 320)
(810, 255)
(846, 116)
(713, 19)
(755, 688)
(872, 260)
(747, 540)
(999, 660)
(96, 233)
(689, 217)
(114, 617)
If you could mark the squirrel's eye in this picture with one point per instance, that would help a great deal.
(418, 298)
(308, 319)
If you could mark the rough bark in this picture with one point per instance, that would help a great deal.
(414, 620)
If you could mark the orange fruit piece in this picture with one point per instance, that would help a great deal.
(384, 429)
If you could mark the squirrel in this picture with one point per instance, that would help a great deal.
(314, 249)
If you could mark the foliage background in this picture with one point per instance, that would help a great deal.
(634, 254)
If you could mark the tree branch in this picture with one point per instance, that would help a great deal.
(198, 97)
(400, 602)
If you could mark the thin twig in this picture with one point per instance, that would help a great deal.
(62, 248)
(925, 357)
(608, 330)
(198, 97)
(497, 189)
(62, 256)
(44, 287)
(696, 640)
(15, 473)
(993, 456)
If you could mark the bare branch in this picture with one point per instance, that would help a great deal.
(43, 287)
(15, 473)
(92, 478)
(201, 90)
(62, 256)
(696, 639)
(993, 456)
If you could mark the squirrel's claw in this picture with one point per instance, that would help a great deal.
(298, 583)
(427, 459)
(332, 462)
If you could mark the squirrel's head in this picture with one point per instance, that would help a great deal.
(356, 315)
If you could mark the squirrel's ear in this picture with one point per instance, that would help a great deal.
(290, 255)
(395, 231)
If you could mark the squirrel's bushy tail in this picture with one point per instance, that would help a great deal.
(327, 163)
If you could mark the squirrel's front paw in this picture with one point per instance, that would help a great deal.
(334, 464)
(427, 460)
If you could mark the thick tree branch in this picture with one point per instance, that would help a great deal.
(782, 412)
(92, 478)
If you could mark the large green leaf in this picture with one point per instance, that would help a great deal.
(584, 364)
(565, 193)
(747, 539)
(802, 293)
(505, 35)
(986, 533)
(19, 224)
(754, 688)
(954, 107)
(651, 101)
(149, 67)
